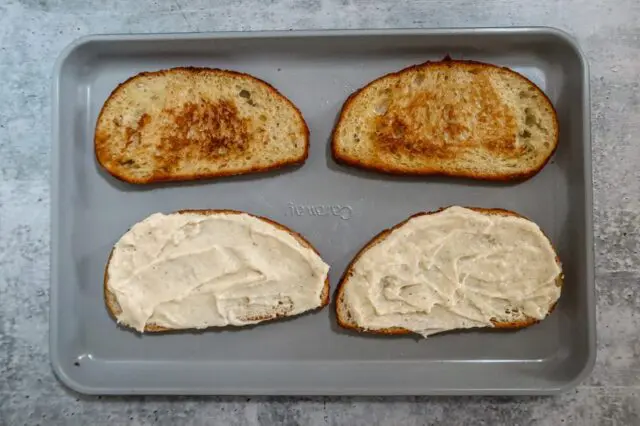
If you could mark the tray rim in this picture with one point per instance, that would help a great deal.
(587, 177)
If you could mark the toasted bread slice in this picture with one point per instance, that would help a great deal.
(193, 123)
(513, 317)
(276, 303)
(456, 118)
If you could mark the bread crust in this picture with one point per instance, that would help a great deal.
(431, 171)
(339, 292)
(114, 310)
(118, 173)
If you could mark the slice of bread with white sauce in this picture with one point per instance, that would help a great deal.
(196, 269)
(437, 271)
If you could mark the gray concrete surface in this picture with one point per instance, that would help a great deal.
(32, 32)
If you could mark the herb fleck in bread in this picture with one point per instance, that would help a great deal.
(193, 123)
(254, 297)
(452, 117)
(513, 317)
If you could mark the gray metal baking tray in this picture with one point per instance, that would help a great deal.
(338, 209)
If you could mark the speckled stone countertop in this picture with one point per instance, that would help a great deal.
(32, 33)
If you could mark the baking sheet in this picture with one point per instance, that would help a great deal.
(336, 208)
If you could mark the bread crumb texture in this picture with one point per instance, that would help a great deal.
(449, 117)
(188, 123)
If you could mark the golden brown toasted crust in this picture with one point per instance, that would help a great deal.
(399, 132)
(195, 122)
(339, 292)
(114, 309)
